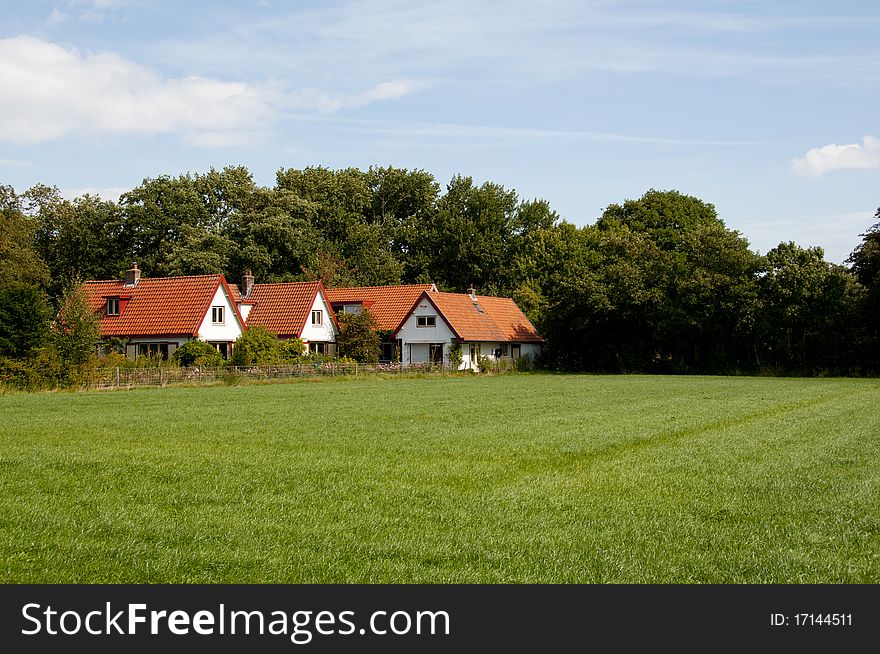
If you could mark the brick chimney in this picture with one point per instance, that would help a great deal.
(132, 275)
(247, 284)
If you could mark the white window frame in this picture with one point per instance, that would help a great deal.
(317, 317)
(113, 302)
(428, 324)
(218, 312)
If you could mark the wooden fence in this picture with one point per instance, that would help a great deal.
(124, 377)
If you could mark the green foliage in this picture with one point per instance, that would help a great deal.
(357, 338)
(75, 332)
(257, 346)
(658, 284)
(455, 354)
(292, 350)
(485, 364)
(808, 317)
(24, 318)
(198, 353)
(20, 262)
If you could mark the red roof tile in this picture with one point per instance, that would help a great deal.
(159, 306)
(500, 319)
(282, 308)
(511, 321)
(388, 304)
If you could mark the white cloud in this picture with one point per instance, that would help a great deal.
(332, 102)
(52, 92)
(56, 17)
(55, 92)
(818, 161)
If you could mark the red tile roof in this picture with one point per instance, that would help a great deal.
(160, 306)
(500, 319)
(388, 304)
(511, 321)
(236, 295)
(282, 308)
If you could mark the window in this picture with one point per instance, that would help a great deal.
(515, 350)
(317, 317)
(112, 306)
(426, 321)
(217, 315)
(318, 347)
(153, 350)
(436, 353)
(478, 307)
(504, 349)
(221, 347)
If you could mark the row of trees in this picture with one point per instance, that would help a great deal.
(656, 284)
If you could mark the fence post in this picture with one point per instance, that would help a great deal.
(332, 370)
(355, 369)
(117, 376)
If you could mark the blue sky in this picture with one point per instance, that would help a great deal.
(769, 110)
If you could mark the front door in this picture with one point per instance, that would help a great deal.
(473, 356)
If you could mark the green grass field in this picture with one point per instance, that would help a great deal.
(529, 478)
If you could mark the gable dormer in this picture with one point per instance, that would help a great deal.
(114, 305)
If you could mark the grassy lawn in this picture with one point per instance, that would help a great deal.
(537, 478)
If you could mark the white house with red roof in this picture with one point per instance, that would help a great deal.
(484, 326)
(389, 305)
(155, 316)
(290, 310)
(418, 324)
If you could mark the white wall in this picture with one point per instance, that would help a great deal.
(230, 329)
(324, 332)
(415, 340)
(245, 310)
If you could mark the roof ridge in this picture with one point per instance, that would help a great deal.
(351, 288)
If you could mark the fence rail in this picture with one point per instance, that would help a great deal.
(123, 377)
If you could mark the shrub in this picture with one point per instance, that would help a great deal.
(358, 338)
(198, 353)
(257, 346)
(292, 351)
(484, 363)
(455, 354)
(75, 331)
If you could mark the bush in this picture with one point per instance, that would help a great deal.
(256, 347)
(358, 338)
(75, 331)
(484, 363)
(198, 353)
(455, 354)
(292, 351)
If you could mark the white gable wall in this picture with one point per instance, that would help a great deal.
(326, 331)
(230, 329)
(416, 340)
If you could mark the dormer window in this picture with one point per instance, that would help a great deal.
(217, 315)
(426, 321)
(317, 317)
(112, 306)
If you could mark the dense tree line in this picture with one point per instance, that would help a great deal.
(657, 284)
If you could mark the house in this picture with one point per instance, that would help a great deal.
(388, 304)
(289, 310)
(492, 327)
(155, 316)
(417, 323)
